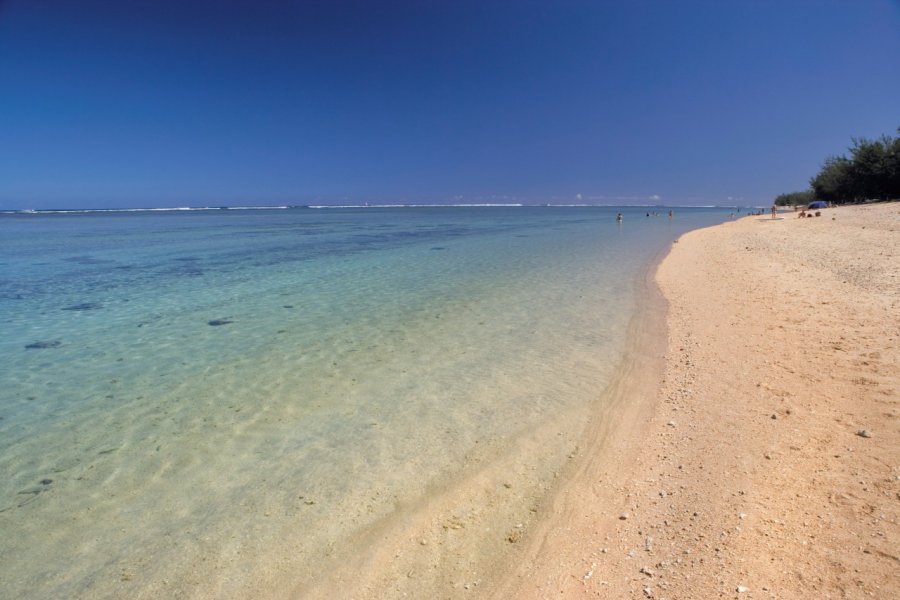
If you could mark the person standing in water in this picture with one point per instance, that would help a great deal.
(619, 218)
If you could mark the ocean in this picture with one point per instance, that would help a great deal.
(205, 403)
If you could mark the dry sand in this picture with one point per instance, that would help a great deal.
(765, 461)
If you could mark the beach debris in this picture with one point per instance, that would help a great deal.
(741, 589)
(671, 424)
(217, 322)
(648, 591)
(624, 516)
(865, 433)
(43, 345)
(46, 481)
(648, 544)
(647, 571)
(590, 573)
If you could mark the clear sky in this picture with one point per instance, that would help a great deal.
(178, 102)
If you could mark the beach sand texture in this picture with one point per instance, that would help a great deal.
(767, 465)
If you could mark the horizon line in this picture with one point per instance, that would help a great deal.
(356, 206)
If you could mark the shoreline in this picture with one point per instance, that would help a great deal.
(564, 551)
(389, 570)
(767, 461)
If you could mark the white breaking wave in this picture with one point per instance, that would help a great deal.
(157, 209)
(506, 205)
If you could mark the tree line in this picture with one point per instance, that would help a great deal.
(871, 172)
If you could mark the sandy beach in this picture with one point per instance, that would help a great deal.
(757, 454)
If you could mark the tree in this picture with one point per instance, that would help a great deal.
(834, 181)
(871, 172)
(795, 198)
(892, 165)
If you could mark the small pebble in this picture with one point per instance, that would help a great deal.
(864, 433)
(741, 589)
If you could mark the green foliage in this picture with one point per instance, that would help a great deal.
(834, 183)
(871, 172)
(795, 198)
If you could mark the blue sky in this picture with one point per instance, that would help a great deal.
(166, 103)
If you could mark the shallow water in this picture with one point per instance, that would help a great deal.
(187, 396)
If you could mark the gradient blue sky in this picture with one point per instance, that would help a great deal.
(165, 102)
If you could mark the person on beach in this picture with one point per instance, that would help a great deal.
(671, 214)
(619, 218)
(774, 211)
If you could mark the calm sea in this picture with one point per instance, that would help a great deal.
(191, 397)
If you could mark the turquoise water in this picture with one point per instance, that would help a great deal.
(191, 397)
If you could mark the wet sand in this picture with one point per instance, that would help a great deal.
(757, 453)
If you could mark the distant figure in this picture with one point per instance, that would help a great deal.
(671, 214)
(619, 218)
(802, 214)
(648, 214)
(774, 211)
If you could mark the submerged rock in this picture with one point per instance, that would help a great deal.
(217, 322)
(84, 306)
(42, 345)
